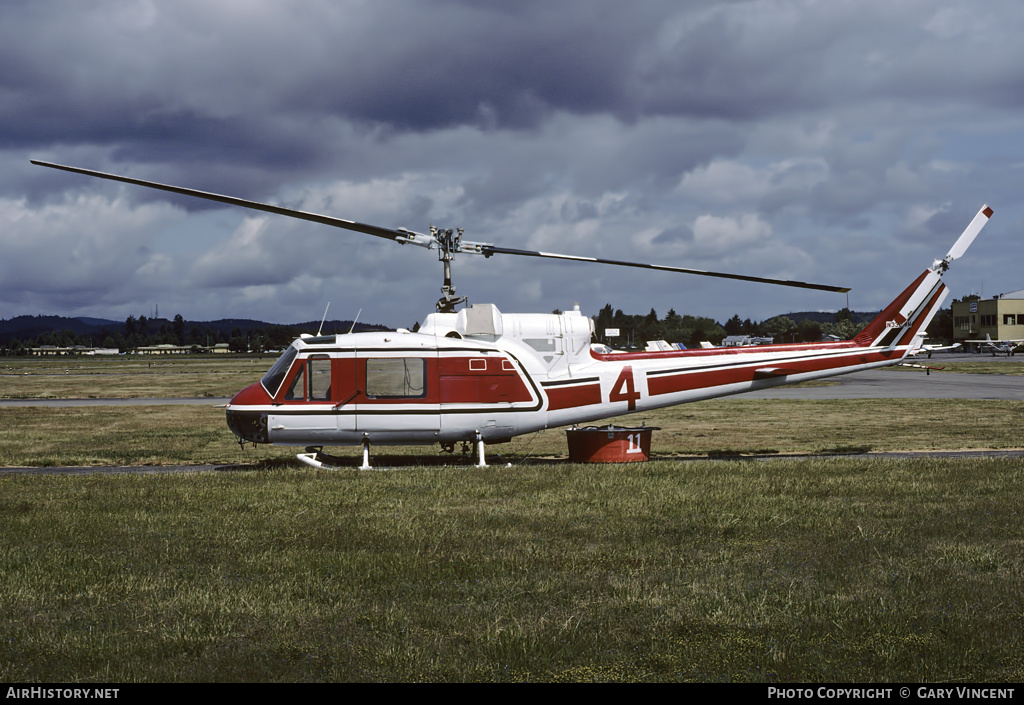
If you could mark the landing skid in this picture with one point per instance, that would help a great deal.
(322, 461)
(316, 457)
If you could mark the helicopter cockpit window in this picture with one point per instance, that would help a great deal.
(272, 380)
(396, 377)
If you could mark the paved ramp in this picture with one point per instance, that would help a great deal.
(904, 384)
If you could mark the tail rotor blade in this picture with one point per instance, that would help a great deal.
(965, 239)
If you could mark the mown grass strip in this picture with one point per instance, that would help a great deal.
(835, 570)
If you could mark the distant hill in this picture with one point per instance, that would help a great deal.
(99, 322)
(25, 327)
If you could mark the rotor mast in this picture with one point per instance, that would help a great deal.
(448, 243)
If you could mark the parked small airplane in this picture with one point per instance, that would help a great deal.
(922, 348)
(1009, 347)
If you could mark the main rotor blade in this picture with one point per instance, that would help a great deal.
(399, 235)
(488, 250)
(408, 237)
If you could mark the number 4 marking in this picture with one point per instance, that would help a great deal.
(624, 389)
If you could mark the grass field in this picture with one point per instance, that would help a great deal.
(810, 569)
(127, 377)
(835, 570)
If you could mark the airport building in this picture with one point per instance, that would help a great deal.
(1001, 318)
(44, 350)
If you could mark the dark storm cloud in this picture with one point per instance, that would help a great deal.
(112, 72)
(497, 65)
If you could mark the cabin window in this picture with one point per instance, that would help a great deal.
(319, 379)
(478, 365)
(396, 377)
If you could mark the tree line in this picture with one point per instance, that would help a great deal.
(636, 330)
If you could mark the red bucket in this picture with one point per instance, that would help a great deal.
(609, 444)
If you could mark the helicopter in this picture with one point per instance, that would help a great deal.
(479, 376)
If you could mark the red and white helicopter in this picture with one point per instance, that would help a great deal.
(480, 376)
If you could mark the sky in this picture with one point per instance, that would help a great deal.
(843, 142)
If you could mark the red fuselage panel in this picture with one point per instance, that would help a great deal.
(487, 380)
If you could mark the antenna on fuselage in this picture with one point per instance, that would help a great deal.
(353, 327)
(324, 318)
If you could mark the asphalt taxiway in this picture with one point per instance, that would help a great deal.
(904, 384)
